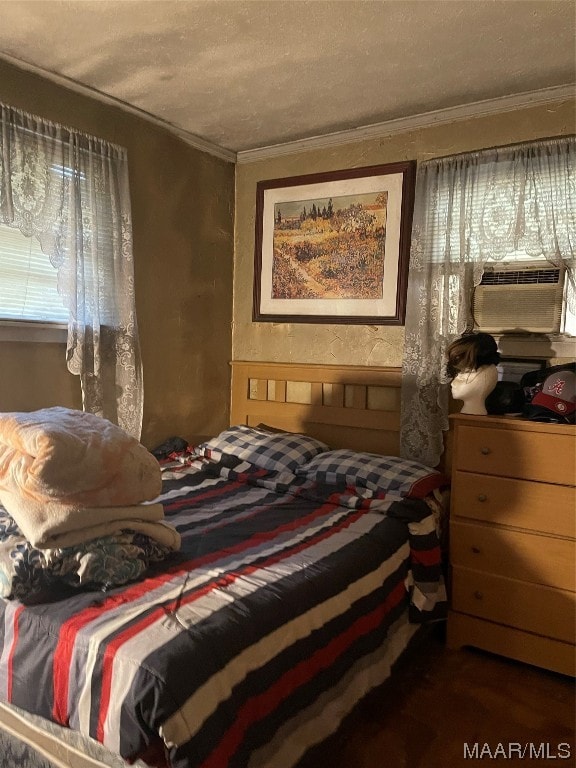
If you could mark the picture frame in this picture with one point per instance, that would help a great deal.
(333, 247)
(514, 368)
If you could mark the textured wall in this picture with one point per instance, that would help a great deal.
(358, 344)
(183, 215)
(183, 219)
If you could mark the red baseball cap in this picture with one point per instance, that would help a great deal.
(556, 401)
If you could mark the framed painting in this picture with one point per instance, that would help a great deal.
(333, 247)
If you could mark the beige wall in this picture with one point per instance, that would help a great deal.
(183, 219)
(358, 344)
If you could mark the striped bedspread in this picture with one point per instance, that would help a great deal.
(280, 592)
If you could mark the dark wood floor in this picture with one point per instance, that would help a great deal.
(438, 700)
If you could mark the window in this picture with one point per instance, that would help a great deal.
(473, 211)
(68, 192)
(28, 281)
(505, 242)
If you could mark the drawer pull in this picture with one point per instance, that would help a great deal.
(485, 451)
(476, 550)
(478, 595)
(482, 497)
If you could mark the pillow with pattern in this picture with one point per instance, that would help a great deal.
(275, 451)
(382, 474)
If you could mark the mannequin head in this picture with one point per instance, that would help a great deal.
(471, 365)
(473, 387)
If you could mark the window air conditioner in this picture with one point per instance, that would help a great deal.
(519, 297)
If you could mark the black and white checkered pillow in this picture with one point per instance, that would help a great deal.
(382, 474)
(278, 451)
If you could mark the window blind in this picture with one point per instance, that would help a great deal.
(28, 281)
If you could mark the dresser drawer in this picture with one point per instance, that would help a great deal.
(544, 610)
(519, 503)
(523, 556)
(546, 457)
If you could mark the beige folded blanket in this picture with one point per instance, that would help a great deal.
(66, 471)
(47, 524)
(164, 533)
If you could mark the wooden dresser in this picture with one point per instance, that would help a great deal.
(512, 539)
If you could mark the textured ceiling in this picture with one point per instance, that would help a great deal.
(246, 74)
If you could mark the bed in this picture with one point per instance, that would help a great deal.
(310, 556)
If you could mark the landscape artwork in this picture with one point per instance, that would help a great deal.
(330, 248)
(333, 247)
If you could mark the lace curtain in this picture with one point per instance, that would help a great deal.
(70, 191)
(471, 209)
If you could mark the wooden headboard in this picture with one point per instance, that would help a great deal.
(344, 406)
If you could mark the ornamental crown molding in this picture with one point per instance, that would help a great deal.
(412, 122)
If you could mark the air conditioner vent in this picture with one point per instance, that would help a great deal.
(514, 298)
(521, 277)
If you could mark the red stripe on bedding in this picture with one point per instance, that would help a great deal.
(230, 578)
(261, 705)
(426, 556)
(421, 488)
(10, 661)
(70, 629)
(211, 494)
(259, 509)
